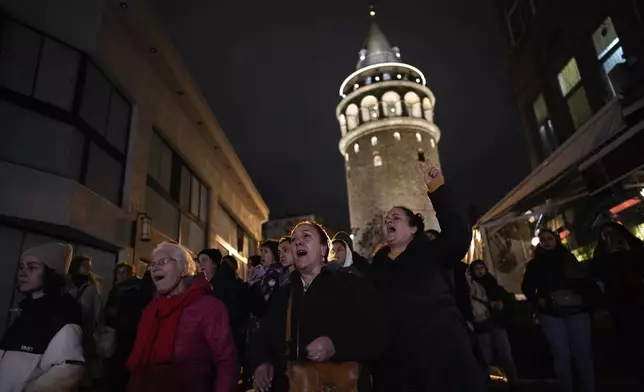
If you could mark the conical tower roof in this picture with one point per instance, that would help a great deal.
(377, 49)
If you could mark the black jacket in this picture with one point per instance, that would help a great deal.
(232, 291)
(338, 305)
(552, 271)
(429, 347)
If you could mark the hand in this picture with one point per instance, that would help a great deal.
(321, 349)
(263, 377)
(432, 175)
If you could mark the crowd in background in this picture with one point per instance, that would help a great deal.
(414, 318)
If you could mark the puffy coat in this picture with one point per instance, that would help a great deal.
(42, 350)
(204, 352)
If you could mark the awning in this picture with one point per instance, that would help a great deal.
(603, 126)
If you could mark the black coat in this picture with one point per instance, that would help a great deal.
(338, 305)
(232, 291)
(429, 348)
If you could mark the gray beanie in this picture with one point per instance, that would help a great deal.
(53, 255)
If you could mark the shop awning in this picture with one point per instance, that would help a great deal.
(603, 126)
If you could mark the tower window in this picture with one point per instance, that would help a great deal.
(386, 76)
(421, 155)
(397, 135)
(356, 148)
(374, 141)
(432, 143)
(377, 160)
(346, 157)
(419, 137)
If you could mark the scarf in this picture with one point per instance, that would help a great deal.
(156, 334)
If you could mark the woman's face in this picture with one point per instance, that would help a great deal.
(338, 253)
(268, 258)
(206, 266)
(396, 228)
(166, 271)
(123, 274)
(614, 240)
(85, 268)
(286, 254)
(31, 274)
(547, 241)
(479, 270)
(308, 248)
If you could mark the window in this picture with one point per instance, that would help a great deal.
(386, 76)
(377, 160)
(419, 137)
(514, 20)
(608, 48)
(93, 141)
(421, 155)
(574, 93)
(356, 148)
(547, 135)
(432, 142)
(391, 104)
(397, 135)
(374, 140)
(173, 189)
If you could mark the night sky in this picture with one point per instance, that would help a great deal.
(271, 73)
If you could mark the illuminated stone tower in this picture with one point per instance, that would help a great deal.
(386, 119)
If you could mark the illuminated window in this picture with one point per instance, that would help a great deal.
(432, 143)
(356, 148)
(374, 141)
(546, 132)
(397, 135)
(608, 48)
(377, 161)
(575, 94)
(346, 157)
(419, 137)
(386, 76)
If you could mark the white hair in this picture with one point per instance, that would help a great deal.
(179, 253)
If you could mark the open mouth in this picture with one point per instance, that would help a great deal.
(391, 229)
(157, 278)
(301, 252)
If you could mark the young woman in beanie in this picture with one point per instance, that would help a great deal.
(42, 350)
(183, 342)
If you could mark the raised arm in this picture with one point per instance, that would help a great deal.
(456, 234)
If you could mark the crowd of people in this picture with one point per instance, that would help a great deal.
(312, 314)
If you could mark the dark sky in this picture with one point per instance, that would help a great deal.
(271, 71)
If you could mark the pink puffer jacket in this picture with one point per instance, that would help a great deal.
(205, 359)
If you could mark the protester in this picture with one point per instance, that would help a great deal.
(618, 267)
(183, 340)
(489, 302)
(122, 313)
(558, 284)
(341, 258)
(429, 348)
(208, 260)
(263, 291)
(256, 272)
(336, 321)
(359, 262)
(286, 258)
(42, 350)
(85, 289)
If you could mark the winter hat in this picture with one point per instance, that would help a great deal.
(53, 255)
(214, 254)
(346, 237)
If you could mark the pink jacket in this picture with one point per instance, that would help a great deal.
(205, 359)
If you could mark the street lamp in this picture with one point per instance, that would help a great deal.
(145, 234)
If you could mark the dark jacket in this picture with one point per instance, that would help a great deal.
(556, 271)
(462, 291)
(428, 346)
(232, 292)
(337, 305)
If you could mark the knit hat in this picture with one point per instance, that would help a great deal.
(53, 255)
(214, 254)
(346, 237)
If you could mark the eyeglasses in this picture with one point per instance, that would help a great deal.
(161, 262)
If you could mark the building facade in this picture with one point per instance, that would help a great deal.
(578, 81)
(386, 118)
(104, 136)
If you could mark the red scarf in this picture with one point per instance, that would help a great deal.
(157, 330)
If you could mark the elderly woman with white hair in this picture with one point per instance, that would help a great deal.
(183, 340)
